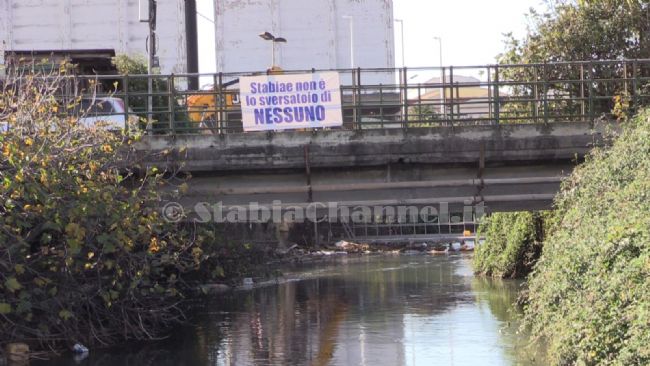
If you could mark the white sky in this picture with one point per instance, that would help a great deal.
(471, 30)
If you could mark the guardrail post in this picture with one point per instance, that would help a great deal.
(490, 96)
(497, 109)
(591, 93)
(582, 91)
(535, 95)
(419, 109)
(405, 98)
(381, 106)
(451, 95)
(220, 115)
(625, 84)
(359, 102)
(635, 85)
(545, 93)
(354, 100)
(172, 101)
(150, 88)
(125, 87)
(443, 93)
(208, 110)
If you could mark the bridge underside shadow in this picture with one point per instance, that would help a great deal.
(509, 187)
(504, 167)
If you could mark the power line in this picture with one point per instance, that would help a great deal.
(205, 17)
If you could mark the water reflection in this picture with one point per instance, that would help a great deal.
(389, 310)
(499, 297)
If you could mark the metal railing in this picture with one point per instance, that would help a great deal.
(405, 229)
(397, 98)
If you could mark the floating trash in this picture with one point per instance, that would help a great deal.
(79, 348)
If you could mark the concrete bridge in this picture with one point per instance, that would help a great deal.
(501, 142)
(505, 167)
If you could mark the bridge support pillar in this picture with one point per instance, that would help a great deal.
(282, 234)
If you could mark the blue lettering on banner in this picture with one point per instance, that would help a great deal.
(288, 115)
(271, 87)
(274, 100)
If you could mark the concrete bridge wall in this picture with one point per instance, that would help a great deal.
(508, 167)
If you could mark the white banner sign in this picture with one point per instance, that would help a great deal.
(284, 102)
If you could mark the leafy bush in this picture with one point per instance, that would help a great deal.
(513, 243)
(84, 255)
(137, 86)
(590, 291)
(583, 30)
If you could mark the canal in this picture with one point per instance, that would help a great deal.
(371, 310)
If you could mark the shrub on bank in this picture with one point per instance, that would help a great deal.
(84, 254)
(589, 295)
(513, 243)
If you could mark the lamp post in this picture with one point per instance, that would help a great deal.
(351, 19)
(442, 88)
(270, 37)
(401, 22)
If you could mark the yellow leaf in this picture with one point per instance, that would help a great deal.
(154, 247)
(39, 282)
(12, 284)
(65, 314)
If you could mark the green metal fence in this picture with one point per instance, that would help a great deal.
(396, 98)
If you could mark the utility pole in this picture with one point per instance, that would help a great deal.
(351, 19)
(191, 41)
(401, 22)
(151, 62)
(443, 109)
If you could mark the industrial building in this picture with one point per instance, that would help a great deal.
(323, 34)
(69, 26)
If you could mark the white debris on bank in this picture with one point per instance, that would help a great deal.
(79, 348)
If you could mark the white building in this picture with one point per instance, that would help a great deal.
(55, 25)
(318, 34)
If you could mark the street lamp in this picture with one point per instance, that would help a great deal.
(443, 108)
(351, 19)
(401, 22)
(439, 48)
(270, 37)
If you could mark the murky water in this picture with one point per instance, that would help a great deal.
(375, 310)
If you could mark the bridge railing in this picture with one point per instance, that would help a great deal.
(395, 98)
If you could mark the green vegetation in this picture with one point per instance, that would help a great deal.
(583, 30)
(588, 296)
(424, 116)
(512, 246)
(138, 88)
(85, 255)
(590, 292)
